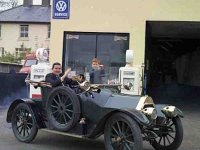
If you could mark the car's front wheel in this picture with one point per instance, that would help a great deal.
(170, 135)
(23, 123)
(63, 109)
(122, 133)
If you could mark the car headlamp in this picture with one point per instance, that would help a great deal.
(150, 112)
(172, 111)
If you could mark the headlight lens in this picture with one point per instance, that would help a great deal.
(150, 112)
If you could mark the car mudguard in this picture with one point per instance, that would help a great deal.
(34, 108)
(138, 116)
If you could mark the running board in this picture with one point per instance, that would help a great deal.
(63, 133)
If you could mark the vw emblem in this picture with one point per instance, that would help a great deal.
(61, 6)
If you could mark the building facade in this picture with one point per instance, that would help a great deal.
(25, 27)
(105, 29)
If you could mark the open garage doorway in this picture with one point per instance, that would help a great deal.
(172, 61)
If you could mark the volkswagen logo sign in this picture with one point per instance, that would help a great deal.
(61, 6)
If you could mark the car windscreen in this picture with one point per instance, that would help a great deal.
(30, 62)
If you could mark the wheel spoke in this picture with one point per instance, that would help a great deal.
(68, 116)
(19, 126)
(66, 99)
(21, 130)
(57, 116)
(53, 106)
(115, 130)
(27, 131)
(171, 136)
(59, 99)
(65, 121)
(171, 124)
(24, 130)
(68, 105)
(130, 142)
(164, 141)
(54, 100)
(127, 146)
(168, 140)
(119, 129)
(55, 111)
(127, 130)
(160, 139)
(30, 124)
(69, 110)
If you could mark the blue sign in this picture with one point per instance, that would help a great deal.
(61, 9)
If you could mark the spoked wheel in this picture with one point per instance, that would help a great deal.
(170, 136)
(122, 133)
(63, 109)
(23, 123)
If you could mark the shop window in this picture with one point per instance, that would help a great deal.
(24, 31)
(110, 48)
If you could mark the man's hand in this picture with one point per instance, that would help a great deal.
(65, 74)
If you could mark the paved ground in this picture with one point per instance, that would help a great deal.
(49, 141)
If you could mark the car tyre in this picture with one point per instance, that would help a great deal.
(122, 132)
(169, 137)
(23, 122)
(63, 109)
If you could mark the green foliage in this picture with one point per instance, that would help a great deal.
(12, 58)
(8, 57)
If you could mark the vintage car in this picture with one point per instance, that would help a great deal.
(87, 111)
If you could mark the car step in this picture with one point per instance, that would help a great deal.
(63, 133)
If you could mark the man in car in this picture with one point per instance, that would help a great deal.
(56, 79)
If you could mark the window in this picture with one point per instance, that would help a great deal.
(110, 48)
(49, 31)
(2, 51)
(24, 31)
(0, 30)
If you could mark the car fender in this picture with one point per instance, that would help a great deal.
(32, 105)
(138, 116)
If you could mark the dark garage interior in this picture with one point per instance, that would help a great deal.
(172, 61)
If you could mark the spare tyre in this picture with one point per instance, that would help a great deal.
(63, 108)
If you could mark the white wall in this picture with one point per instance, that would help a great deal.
(38, 37)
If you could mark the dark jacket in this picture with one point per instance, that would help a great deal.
(96, 76)
(56, 81)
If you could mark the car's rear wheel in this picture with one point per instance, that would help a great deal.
(170, 135)
(23, 123)
(122, 133)
(63, 109)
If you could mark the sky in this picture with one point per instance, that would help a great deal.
(20, 2)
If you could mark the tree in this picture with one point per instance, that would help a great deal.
(6, 4)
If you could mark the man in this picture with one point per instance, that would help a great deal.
(55, 79)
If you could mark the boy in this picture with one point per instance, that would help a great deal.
(97, 72)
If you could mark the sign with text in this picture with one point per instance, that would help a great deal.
(61, 9)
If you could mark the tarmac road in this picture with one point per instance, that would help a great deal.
(50, 141)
